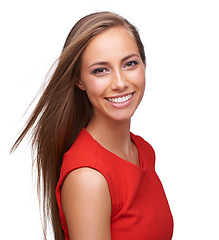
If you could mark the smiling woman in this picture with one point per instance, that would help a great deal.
(98, 179)
(113, 76)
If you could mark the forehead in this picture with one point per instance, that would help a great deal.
(116, 42)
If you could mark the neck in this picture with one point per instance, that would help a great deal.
(112, 135)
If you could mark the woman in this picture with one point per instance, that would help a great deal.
(98, 178)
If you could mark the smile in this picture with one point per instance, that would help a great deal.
(120, 99)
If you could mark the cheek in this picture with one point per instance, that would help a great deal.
(94, 88)
(140, 83)
(140, 79)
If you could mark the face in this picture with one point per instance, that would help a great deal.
(113, 75)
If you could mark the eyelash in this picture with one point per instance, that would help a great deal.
(102, 70)
(133, 63)
(99, 70)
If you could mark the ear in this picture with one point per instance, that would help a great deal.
(80, 84)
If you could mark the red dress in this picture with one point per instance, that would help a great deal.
(139, 206)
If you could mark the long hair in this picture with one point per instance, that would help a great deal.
(63, 110)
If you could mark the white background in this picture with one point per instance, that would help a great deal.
(178, 115)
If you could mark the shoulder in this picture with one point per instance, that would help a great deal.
(86, 204)
(86, 161)
(144, 146)
(82, 153)
(83, 178)
(84, 145)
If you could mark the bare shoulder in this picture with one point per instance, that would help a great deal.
(86, 204)
(85, 175)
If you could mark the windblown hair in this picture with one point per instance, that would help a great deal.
(63, 110)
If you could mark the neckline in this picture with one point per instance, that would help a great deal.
(132, 136)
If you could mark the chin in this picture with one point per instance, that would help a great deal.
(122, 117)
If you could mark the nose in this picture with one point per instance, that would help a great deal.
(119, 81)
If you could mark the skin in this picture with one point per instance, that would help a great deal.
(111, 68)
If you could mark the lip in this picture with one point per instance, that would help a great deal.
(120, 95)
(119, 104)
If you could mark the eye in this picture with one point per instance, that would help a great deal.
(99, 71)
(131, 64)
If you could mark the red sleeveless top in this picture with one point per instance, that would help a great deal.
(139, 206)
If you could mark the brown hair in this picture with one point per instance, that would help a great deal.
(63, 110)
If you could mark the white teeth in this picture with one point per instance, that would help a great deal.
(120, 99)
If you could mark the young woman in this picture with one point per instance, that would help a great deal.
(98, 179)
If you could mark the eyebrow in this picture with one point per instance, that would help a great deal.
(105, 63)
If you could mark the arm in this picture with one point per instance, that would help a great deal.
(86, 205)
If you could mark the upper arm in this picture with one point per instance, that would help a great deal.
(86, 204)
